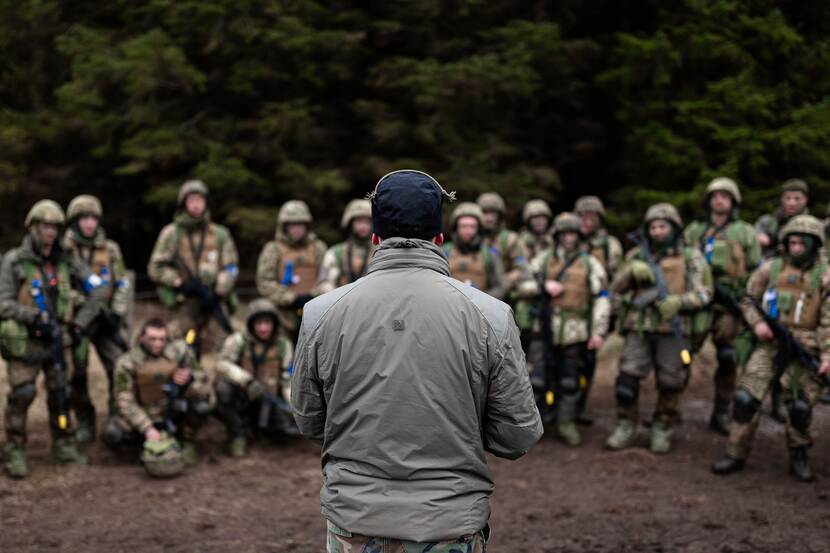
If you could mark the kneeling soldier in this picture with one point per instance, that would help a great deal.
(254, 378)
(161, 393)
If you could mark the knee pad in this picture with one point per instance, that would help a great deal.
(113, 434)
(225, 391)
(627, 389)
(800, 414)
(23, 395)
(727, 357)
(199, 406)
(744, 406)
(569, 385)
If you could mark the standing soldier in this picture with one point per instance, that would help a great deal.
(575, 319)
(195, 264)
(794, 197)
(36, 303)
(86, 240)
(347, 261)
(501, 241)
(163, 397)
(253, 378)
(536, 235)
(289, 266)
(731, 249)
(793, 288)
(662, 285)
(470, 260)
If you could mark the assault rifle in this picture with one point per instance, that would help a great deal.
(53, 335)
(176, 405)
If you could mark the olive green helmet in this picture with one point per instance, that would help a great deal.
(795, 185)
(294, 211)
(589, 204)
(803, 224)
(663, 211)
(567, 222)
(490, 201)
(534, 208)
(45, 211)
(355, 209)
(84, 205)
(723, 184)
(258, 308)
(192, 187)
(163, 458)
(466, 209)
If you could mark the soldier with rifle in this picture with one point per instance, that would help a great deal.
(195, 264)
(254, 379)
(658, 291)
(86, 240)
(38, 281)
(787, 305)
(162, 397)
(731, 249)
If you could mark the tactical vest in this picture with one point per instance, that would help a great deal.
(150, 376)
(470, 268)
(674, 269)
(99, 258)
(266, 369)
(576, 292)
(359, 262)
(724, 252)
(305, 267)
(599, 251)
(203, 259)
(798, 294)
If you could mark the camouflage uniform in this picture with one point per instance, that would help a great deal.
(504, 243)
(649, 340)
(606, 248)
(104, 257)
(801, 297)
(196, 250)
(732, 252)
(349, 260)
(244, 360)
(582, 310)
(141, 399)
(474, 263)
(771, 223)
(343, 541)
(33, 291)
(535, 244)
(288, 271)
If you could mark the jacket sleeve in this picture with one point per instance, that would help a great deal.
(615, 256)
(329, 272)
(121, 294)
(752, 247)
(161, 267)
(229, 269)
(228, 364)
(10, 308)
(287, 369)
(498, 286)
(755, 288)
(511, 420)
(125, 400)
(267, 280)
(307, 400)
(701, 290)
(96, 295)
(601, 309)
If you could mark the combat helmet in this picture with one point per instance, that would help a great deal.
(803, 224)
(723, 184)
(795, 185)
(45, 211)
(191, 187)
(589, 204)
(258, 308)
(355, 209)
(466, 209)
(567, 222)
(491, 201)
(84, 205)
(163, 458)
(663, 211)
(534, 208)
(294, 211)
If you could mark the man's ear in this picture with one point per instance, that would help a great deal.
(438, 239)
(376, 240)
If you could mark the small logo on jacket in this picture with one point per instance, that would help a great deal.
(398, 325)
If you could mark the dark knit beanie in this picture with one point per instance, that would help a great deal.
(408, 204)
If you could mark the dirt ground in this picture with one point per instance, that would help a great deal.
(554, 500)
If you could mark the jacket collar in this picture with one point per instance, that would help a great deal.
(398, 253)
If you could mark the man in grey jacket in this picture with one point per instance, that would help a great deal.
(407, 377)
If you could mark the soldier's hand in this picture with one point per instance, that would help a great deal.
(152, 435)
(763, 239)
(669, 307)
(181, 376)
(825, 368)
(641, 272)
(595, 343)
(554, 288)
(763, 331)
(178, 282)
(255, 390)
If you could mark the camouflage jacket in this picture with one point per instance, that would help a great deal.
(344, 263)
(493, 272)
(104, 257)
(606, 249)
(235, 362)
(535, 244)
(514, 259)
(770, 224)
(142, 413)
(694, 290)
(732, 264)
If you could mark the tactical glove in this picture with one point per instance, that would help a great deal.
(642, 273)
(255, 390)
(669, 307)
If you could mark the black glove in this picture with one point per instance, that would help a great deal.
(41, 327)
(301, 300)
(115, 321)
(255, 390)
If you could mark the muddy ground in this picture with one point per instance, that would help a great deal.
(554, 500)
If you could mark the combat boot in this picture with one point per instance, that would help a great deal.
(719, 422)
(568, 433)
(15, 462)
(623, 435)
(189, 453)
(661, 435)
(799, 467)
(727, 465)
(238, 447)
(65, 452)
(85, 432)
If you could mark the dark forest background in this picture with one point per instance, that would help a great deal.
(633, 100)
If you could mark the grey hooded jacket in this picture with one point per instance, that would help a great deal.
(407, 377)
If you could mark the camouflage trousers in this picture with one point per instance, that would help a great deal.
(342, 541)
(108, 351)
(725, 329)
(189, 315)
(757, 380)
